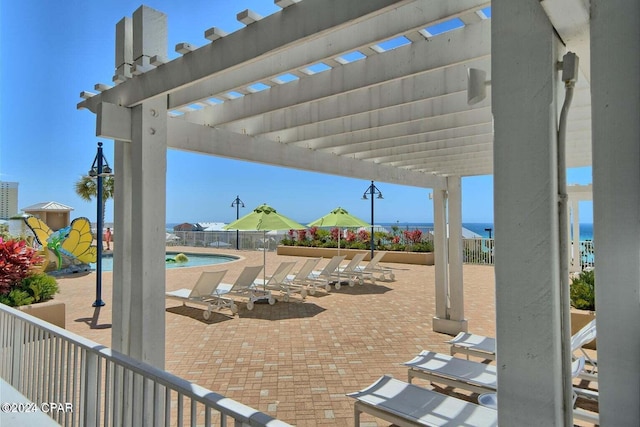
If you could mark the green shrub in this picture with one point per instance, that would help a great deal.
(423, 246)
(17, 297)
(330, 244)
(358, 245)
(40, 286)
(582, 291)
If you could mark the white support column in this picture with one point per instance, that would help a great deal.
(441, 254)
(148, 223)
(615, 94)
(575, 242)
(449, 318)
(532, 372)
(456, 283)
(122, 283)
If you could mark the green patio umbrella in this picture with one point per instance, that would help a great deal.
(339, 217)
(264, 218)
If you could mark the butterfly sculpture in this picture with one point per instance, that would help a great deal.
(73, 242)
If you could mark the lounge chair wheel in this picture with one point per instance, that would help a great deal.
(351, 283)
(392, 276)
(327, 287)
(303, 293)
(361, 281)
(312, 291)
(272, 300)
(337, 286)
(250, 305)
(206, 314)
(285, 298)
(234, 308)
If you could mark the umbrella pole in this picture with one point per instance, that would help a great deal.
(264, 260)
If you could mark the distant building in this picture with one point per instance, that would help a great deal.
(211, 226)
(185, 226)
(54, 214)
(8, 199)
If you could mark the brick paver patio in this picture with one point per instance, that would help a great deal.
(295, 360)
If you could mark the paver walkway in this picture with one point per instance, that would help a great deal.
(296, 360)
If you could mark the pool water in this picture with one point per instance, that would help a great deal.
(195, 260)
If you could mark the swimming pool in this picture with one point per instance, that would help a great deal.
(195, 260)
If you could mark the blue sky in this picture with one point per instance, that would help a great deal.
(51, 51)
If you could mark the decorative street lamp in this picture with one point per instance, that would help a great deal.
(237, 203)
(372, 191)
(99, 169)
(489, 230)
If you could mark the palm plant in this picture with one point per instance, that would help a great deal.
(87, 189)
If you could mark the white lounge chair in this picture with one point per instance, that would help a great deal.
(324, 277)
(301, 278)
(408, 405)
(203, 293)
(350, 271)
(277, 281)
(372, 268)
(473, 376)
(473, 345)
(485, 347)
(243, 286)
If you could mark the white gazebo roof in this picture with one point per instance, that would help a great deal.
(48, 206)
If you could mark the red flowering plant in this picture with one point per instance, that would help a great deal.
(16, 262)
(302, 238)
(415, 242)
(351, 236)
(363, 235)
(414, 236)
(335, 233)
(20, 284)
(313, 233)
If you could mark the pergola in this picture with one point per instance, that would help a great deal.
(375, 90)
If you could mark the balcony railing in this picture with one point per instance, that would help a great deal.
(92, 385)
(481, 251)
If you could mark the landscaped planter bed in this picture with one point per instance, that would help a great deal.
(421, 258)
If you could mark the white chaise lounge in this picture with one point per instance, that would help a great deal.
(473, 376)
(405, 404)
(202, 293)
(485, 347)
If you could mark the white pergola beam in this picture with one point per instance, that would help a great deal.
(219, 142)
(203, 73)
(448, 125)
(427, 141)
(367, 127)
(404, 74)
(248, 17)
(214, 33)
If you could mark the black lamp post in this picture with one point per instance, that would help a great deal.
(237, 203)
(372, 191)
(99, 169)
(489, 230)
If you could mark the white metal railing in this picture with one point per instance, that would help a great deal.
(247, 240)
(481, 251)
(92, 385)
(587, 253)
(478, 251)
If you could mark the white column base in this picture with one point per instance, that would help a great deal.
(450, 327)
